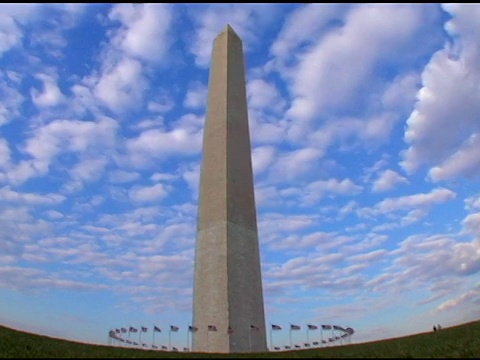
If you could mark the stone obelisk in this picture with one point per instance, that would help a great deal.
(227, 293)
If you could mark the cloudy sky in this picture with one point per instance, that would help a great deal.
(365, 131)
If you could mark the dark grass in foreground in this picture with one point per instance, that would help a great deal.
(462, 341)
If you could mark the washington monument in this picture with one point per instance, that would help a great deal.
(228, 310)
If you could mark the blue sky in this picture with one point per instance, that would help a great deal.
(365, 129)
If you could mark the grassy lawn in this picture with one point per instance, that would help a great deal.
(462, 341)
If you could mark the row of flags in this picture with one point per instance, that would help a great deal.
(230, 329)
(144, 329)
(314, 327)
(175, 329)
(131, 342)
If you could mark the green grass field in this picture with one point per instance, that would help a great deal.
(462, 341)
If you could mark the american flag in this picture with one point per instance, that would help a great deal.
(156, 328)
(128, 341)
(123, 330)
(117, 330)
(212, 328)
(154, 347)
(174, 348)
(326, 327)
(287, 347)
(173, 328)
(277, 348)
(336, 327)
(315, 343)
(294, 327)
(164, 347)
(134, 343)
(306, 345)
(297, 346)
(185, 349)
(312, 327)
(276, 327)
(132, 329)
(192, 328)
(253, 327)
(144, 329)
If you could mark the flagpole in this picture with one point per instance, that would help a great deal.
(153, 334)
(271, 342)
(170, 338)
(188, 337)
(290, 335)
(308, 330)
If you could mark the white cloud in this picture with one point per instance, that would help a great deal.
(401, 92)
(83, 100)
(162, 105)
(145, 30)
(387, 181)
(191, 175)
(465, 161)
(4, 153)
(89, 169)
(262, 157)
(196, 96)
(50, 95)
(6, 194)
(157, 144)
(265, 129)
(148, 193)
(163, 177)
(61, 136)
(10, 34)
(303, 24)
(443, 128)
(296, 163)
(472, 296)
(122, 86)
(12, 99)
(327, 79)
(245, 19)
(413, 216)
(472, 202)
(121, 176)
(348, 208)
(314, 191)
(264, 95)
(53, 214)
(472, 224)
(369, 257)
(266, 196)
(437, 196)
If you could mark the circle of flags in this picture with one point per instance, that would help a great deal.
(333, 335)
